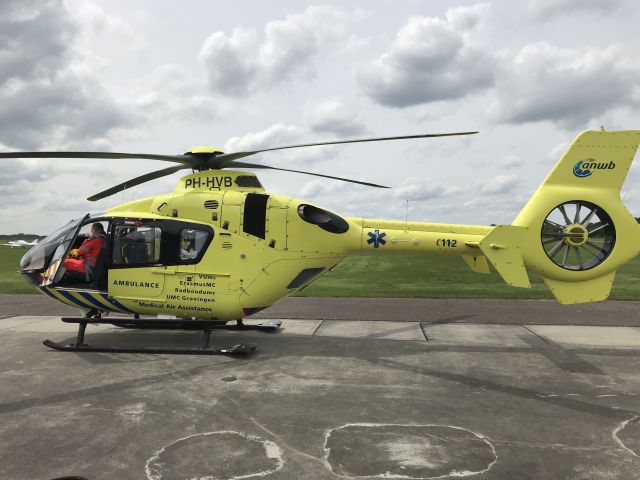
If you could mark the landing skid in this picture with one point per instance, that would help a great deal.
(206, 326)
(241, 348)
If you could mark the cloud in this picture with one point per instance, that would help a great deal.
(350, 199)
(273, 136)
(68, 108)
(555, 153)
(320, 188)
(335, 117)
(244, 62)
(94, 22)
(172, 93)
(280, 135)
(546, 9)
(230, 68)
(511, 162)
(34, 38)
(14, 170)
(53, 176)
(499, 184)
(346, 198)
(421, 189)
(47, 95)
(430, 60)
(569, 87)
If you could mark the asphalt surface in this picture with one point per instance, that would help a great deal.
(509, 312)
(409, 392)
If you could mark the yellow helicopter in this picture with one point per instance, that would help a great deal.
(219, 248)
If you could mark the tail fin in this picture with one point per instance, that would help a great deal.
(502, 247)
(579, 231)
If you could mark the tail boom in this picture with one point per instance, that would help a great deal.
(476, 244)
(575, 231)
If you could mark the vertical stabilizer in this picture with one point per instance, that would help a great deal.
(580, 232)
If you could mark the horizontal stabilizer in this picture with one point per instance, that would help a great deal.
(501, 246)
(594, 290)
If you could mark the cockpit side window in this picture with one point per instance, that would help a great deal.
(85, 230)
(56, 244)
(192, 242)
(144, 243)
(138, 245)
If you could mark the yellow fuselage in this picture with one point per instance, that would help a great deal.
(242, 272)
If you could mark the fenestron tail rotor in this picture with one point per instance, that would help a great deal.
(578, 235)
(209, 159)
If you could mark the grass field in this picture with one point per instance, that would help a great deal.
(10, 280)
(415, 275)
(439, 276)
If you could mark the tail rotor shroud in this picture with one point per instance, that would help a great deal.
(578, 235)
(580, 231)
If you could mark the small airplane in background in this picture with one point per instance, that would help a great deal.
(20, 244)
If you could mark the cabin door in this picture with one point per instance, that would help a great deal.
(136, 270)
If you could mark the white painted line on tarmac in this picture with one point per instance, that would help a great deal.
(421, 462)
(621, 427)
(155, 468)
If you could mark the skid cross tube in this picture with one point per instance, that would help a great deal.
(82, 327)
(206, 326)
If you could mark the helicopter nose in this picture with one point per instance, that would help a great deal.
(31, 277)
(33, 264)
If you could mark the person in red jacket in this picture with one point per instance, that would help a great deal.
(85, 257)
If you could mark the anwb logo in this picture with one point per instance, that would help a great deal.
(584, 168)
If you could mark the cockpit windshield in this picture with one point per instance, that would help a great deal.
(40, 256)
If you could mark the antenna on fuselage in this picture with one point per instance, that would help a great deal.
(406, 214)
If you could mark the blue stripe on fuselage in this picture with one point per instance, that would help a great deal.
(116, 303)
(98, 304)
(73, 299)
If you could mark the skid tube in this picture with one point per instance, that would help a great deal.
(205, 348)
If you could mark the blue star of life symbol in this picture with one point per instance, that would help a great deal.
(376, 238)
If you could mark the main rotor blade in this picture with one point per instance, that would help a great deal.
(184, 159)
(136, 181)
(265, 167)
(225, 157)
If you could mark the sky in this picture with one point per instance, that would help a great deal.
(159, 76)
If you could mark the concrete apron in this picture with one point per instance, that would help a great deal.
(324, 399)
